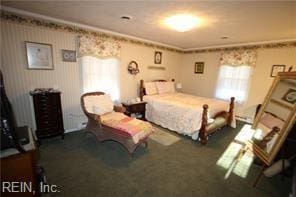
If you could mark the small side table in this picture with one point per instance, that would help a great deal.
(135, 108)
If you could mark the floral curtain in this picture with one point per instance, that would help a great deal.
(90, 45)
(238, 58)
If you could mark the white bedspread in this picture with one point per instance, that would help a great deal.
(181, 112)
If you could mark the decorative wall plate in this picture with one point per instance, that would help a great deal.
(69, 55)
(133, 68)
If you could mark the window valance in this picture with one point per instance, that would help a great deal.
(239, 57)
(90, 45)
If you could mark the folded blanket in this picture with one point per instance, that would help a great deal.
(137, 129)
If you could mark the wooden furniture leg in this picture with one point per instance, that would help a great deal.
(202, 132)
(145, 144)
(231, 108)
(259, 175)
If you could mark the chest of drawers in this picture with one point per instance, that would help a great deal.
(48, 114)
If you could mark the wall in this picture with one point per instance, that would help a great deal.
(205, 84)
(65, 76)
(144, 56)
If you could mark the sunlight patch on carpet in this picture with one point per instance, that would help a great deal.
(163, 137)
(238, 157)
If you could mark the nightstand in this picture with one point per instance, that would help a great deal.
(135, 108)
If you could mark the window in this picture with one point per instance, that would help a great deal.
(233, 81)
(100, 75)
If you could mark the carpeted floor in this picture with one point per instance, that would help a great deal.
(81, 166)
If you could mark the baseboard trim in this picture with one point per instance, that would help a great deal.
(72, 130)
(243, 119)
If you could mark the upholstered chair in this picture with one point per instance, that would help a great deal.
(108, 122)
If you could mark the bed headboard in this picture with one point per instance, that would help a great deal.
(142, 88)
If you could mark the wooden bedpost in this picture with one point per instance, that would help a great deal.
(202, 132)
(141, 89)
(231, 108)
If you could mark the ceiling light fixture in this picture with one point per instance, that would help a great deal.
(182, 22)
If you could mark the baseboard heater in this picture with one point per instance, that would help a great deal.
(244, 119)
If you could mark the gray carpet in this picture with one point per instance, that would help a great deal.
(81, 166)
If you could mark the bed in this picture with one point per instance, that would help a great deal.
(197, 117)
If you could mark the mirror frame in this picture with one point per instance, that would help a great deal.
(267, 158)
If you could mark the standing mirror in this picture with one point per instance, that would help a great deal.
(275, 118)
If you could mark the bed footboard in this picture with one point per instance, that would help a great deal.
(221, 119)
(231, 108)
(202, 132)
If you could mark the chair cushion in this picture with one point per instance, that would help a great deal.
(98, 104)
(271, 121)
(127, 126)
(218, 123)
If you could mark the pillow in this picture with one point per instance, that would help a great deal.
(271, 121)
(150, 88)
(165, 87)
(100, 104)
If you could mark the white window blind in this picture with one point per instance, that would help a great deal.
(233, 81)
(100, 75)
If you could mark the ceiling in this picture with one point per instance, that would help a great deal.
(242, 21)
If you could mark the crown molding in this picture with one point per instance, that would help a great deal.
(244, 44)
(88, 27)
(21, 16)
(270, 45)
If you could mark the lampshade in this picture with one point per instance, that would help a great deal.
(179, 86)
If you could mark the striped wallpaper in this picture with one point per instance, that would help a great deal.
(66, 76)
(19, 80)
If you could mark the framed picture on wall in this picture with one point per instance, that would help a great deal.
(199, 67)
(39, 56)
(69, 55)
(277, 68)
(157, 57)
